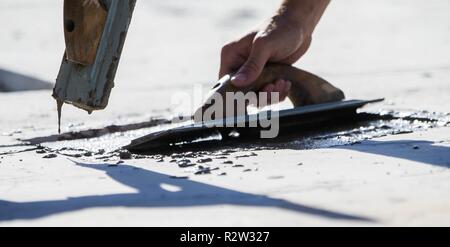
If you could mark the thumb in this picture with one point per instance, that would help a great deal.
(252, 68)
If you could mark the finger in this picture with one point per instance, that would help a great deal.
(268, 89)
(280, 88)
(252, 68)
(280, 85)
(230, 60)
(234, 54)
(287, 89)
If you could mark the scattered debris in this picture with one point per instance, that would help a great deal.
(221, 157)
(158, 157)
(50, 156)
(179, 177)
(191, 155)
(185, 163)
(205, 160)
(234, 134)
(385, 124)
(125, 154)
(139, 156)
(222, 174)
(204, 170)
(176, 156)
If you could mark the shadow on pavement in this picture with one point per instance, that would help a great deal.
(151, 194)
(15, 82)
(420, 151)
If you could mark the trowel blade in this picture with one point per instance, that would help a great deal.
(297, 117)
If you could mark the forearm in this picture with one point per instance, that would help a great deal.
(306, 13)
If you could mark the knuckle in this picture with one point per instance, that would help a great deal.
(263, 45)
(252, 65)
(263, 40)
(260, 42)
(226, 49)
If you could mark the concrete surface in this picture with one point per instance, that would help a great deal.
(393, 49)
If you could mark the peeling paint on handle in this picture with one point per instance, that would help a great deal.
(89, 87)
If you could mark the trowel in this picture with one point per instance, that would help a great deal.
(315, 102)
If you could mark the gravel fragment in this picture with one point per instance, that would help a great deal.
(50, 156)
(185, 163)
(125, 155)
(179, 177)
(205, 160)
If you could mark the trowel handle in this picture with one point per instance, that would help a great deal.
(307, 88)
(84, 22)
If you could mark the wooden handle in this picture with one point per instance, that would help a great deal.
(84, 21)
(307, 88)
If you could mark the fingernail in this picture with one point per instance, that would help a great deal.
(238, 79)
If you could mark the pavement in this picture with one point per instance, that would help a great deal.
(396, 50)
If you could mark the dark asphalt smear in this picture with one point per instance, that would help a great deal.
(107, 146)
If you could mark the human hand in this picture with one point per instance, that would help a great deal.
(284, 38)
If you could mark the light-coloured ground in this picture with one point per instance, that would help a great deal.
(393, 49)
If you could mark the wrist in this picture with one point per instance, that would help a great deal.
(303, 14)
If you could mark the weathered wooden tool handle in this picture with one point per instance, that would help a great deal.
(84, 22)
(307, 88)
